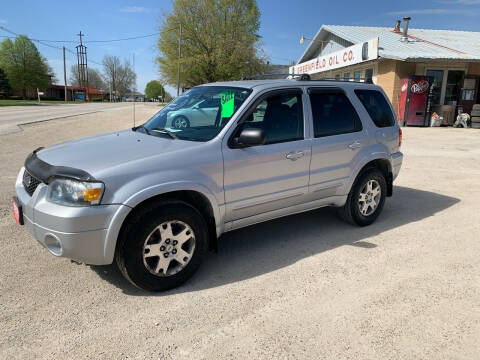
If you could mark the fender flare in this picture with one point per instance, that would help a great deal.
(361, 164)
(147, 193)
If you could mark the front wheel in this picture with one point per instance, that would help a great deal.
(366, 198)
(163, 246)
(180, 122)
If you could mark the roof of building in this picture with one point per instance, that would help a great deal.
(422, 43)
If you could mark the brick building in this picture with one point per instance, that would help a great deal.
(386, 55)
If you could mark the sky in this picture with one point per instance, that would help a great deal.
(282, 24)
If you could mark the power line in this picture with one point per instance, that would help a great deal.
(51, 46)
(86, 41)
(124, 39)
(36, 40)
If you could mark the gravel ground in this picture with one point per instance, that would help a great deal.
(304, 286)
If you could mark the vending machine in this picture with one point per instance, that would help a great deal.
(414, 101)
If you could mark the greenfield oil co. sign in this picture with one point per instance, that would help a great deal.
(351, 55)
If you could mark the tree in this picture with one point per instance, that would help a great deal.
(120, 77)
(4, 85)
(155, 90)
(94, 78)
(23, 64)
(220, 41)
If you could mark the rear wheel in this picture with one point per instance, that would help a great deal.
(366, 198)
(163, 246)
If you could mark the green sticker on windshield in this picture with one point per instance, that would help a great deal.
(227, 102)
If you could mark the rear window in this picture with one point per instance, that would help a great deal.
(333, 114)
(377, 107)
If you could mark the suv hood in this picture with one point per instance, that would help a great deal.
(99, 152)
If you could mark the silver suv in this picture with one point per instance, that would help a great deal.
(156, 197)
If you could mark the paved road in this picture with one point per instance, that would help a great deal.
(12, 116)
(307, 286)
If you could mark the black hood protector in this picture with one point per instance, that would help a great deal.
(46, 172)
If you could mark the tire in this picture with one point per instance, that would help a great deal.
(142, 236)
(351, 211)
(475, 112)
(475, 125)
(180, 122)
(476, 107)
(476, 119)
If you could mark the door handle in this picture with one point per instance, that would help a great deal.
(355, 145)
(294, 155)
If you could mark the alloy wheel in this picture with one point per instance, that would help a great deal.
(369, 197)
(169, 248)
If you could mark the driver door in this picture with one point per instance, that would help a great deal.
(268, 177)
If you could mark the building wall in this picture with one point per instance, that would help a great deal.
(349, 69)
(333, 43)
(390, 75)
(474, 69)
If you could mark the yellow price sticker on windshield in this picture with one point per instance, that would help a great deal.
(227, 102)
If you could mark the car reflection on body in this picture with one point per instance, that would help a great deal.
(199, 112)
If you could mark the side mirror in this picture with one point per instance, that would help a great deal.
(251, 137)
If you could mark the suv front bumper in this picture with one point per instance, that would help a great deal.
(79, 233)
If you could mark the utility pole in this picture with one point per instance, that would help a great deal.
(179, 57)
(65, 74)
(82, 65)
(134, 90)
(112, 83)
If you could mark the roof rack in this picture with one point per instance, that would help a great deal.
(367, 80)
(306, 77)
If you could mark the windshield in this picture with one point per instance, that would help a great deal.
(199, 114)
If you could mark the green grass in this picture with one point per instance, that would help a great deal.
(34, 102)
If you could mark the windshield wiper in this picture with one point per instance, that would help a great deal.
(165, 131)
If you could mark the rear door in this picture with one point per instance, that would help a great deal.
(272, 176)
(338, 137)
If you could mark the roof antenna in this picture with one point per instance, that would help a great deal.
(134, 89)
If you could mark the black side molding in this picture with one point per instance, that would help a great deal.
(46, 172)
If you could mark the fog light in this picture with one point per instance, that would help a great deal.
(53, 244)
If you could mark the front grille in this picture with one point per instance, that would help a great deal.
(30, 183)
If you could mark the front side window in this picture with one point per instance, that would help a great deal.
(377, 107)
(333, 114)
(280, 116)
(197, 115)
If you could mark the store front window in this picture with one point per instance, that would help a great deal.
(437, 76)
(452, 91)
(356, 75)
(346, 76)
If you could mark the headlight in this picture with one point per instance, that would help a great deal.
(75, 193)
